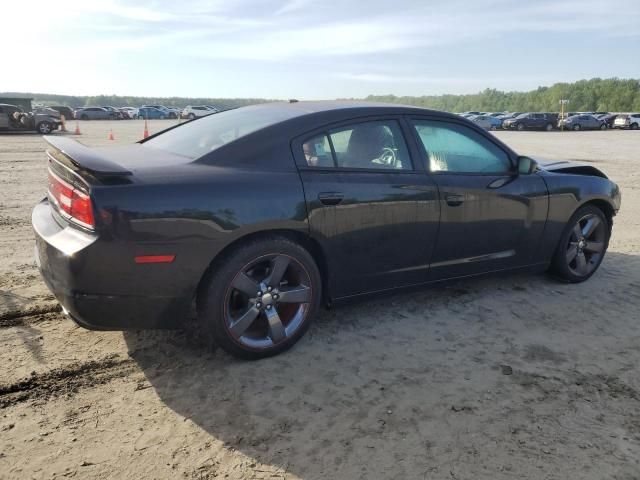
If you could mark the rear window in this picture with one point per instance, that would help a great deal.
(199, 137)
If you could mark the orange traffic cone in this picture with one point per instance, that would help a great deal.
(146, 129)
(77, 131)
(63, 126)
(110, 137)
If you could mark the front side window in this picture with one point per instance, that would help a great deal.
(369, 145)
(459, 149)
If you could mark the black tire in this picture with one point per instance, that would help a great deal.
(520, 127)
(603, 126)
(191, 116)
(576, 127)
(634, 126)
(44, 128)
(227, 307)
(548, 127)
(565, 266)
(173, 115)
(84, 117)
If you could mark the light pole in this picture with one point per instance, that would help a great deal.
(563, 102)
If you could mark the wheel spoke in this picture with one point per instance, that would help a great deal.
(594, 247)
(243, 283)
(581, 263)
(572, 252)
(577, 232)
(240, 326)
(590, 226)
(276, 329)
(298, 294)
(279, 266)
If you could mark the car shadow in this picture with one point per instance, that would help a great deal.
(404, 386)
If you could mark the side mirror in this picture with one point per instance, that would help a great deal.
(527, 166)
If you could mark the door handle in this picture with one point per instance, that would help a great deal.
(330, 198)
(454, 200)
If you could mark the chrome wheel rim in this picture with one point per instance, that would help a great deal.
(586, 245)
(267, 301)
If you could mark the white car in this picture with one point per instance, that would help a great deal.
(195, 111)
(631, 120)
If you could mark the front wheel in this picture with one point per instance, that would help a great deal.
(634, 126)
(191, 116)
(520, 127)
(261, 298)
(576, 128)
(582, 245)
(45, 128)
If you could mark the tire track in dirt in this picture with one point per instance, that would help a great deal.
(66, 380)
(37, 313)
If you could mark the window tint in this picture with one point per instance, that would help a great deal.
(459, 149)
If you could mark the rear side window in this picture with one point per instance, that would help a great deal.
(197, 138)
(366, 145)
(458, 149)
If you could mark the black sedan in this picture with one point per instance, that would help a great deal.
(257, 216)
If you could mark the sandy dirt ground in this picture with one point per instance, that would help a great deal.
(515, 376)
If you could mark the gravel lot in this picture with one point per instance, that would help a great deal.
(514, 376)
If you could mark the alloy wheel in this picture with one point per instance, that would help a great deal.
(586, 246)
(267, 301)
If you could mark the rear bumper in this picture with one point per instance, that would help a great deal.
(69, 259)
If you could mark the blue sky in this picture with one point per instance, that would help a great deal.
(310, 49)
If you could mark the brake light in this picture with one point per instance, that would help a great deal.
(72, 201)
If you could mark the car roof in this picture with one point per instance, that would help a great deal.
(357, 107)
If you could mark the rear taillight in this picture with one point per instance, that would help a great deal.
(71, 201)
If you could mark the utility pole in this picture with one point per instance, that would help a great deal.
(563, 102)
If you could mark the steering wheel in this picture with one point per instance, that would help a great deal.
(388, 158)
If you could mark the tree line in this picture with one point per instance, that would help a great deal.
(596, 94)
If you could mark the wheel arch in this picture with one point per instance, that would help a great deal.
(307, 242)
(603, 205)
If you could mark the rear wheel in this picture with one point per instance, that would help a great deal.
(548, 127)
(191, 116)
(576, 127)
(603, 126)
(261, 299)
(634, 126)
(582, 246)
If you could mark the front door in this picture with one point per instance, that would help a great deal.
(374, 212)
(492, 218)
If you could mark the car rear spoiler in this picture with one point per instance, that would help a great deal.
(85, 158)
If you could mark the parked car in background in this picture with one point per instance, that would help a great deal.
(152, 113)
(130, 236)
(195, 111)
(486, 121)
(66, 111)
(169, 113)
(627, 120)
(94, 113)
(607, 118)
(13, 117)
(582, 122)
(212, 108)
(128, 113)
(531, 121)
(117, 114)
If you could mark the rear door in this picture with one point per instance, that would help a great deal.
(492, 218)
(370, 204)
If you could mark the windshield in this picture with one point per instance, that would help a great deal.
(523, 115)
(199, 137)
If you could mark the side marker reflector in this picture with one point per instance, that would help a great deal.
(155, 258)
